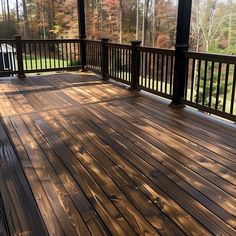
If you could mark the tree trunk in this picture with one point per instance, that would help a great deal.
(8, 11)
(26, 20)
(230, 26)
(137, 20)
(145, 21)
(17, 11)
(121, 20)
(143, 24)
(154, 24)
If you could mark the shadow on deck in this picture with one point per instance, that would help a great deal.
(89, 157)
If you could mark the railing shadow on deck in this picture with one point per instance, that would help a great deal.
(209, 79)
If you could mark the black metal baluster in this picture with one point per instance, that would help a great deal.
(67, 56)
(122, 63)
(162, 71)
(166, 77)
(145, 70)
(204, 83)
(54, 55)
(96, 57)
(31, 61)
(71, 63)
(149, 71)
(153, 70)
(158, 65)
(109, 60)
(226, 87)
(75, 61)
(93, 59)
(116, 66)
(93, 52)
(88, 55)
(45, 55)
(211, 83)
(58, 56)
(232, 110)
(49, 55)
(35, 55)
(112, 62)
(99, 58)
(199, 80)
(186, 80)
(62, 53)
(125, 65)
(142, 65)
(14, 55)
(40, 56)
(218, 87)
(93, 48)
(171, 74)
(130, 65)
(193, 80)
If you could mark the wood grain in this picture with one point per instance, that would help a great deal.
(81, 156)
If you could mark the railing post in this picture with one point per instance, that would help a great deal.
(182, 45)
(19, 54)
(83, 56)
(104, 58)
(135, 65)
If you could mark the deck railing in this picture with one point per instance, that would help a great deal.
(29, 56)
(211, 82)
(209, 85)
(157, 71)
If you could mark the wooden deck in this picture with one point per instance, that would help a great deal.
(79, 156)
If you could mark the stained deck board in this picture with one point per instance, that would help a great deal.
(100, 160)
(121, 187)
(178, 194)
(19, 206)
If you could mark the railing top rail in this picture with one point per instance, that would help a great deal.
(117, 45)
(50, 40)
(92, 41)
(7, 41)
(157, 50)
(221, 58)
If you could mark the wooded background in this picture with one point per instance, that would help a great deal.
(213, 26)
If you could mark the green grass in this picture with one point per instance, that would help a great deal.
(45, 63)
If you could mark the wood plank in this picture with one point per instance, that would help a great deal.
(39, 194)
(216, 138)
(90, 216)
(181, 150)
(198, 145)
(142, 166)
(214, 125)
(19, 204)
(145, 143)
(113, 219)
(70, 219)
(4, 229)
(186, 132)
(152, 192)
(5, 103)
(106, 167)
(115, 162)
(178, 192)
